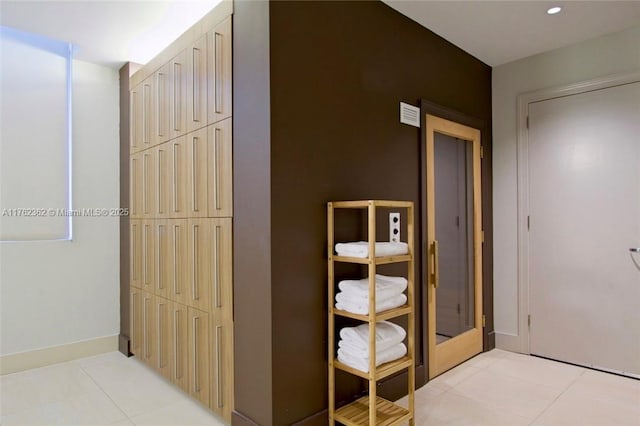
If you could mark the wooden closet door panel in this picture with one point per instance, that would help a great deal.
(135, 129)
(163, 180)
(178, 185)
(136, 322)
(221, 261)
(148, 349)
(199, 360)
(148, 263)
(162, 103)
(162, 336)
(220, 172)
(197, 85)
(148, 112)
(163, 257)
(179, 342)
(219, 72)
(199, 268)
(178, 95)
(135, 186)
(135, 236)
(149, 180)
(197, 173)
(178, 261)
(220, 248)
(221, 349)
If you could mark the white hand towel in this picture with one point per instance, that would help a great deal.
(390, 354)
(388, 334)
(386, 287)
(361, 249)
(361, 306)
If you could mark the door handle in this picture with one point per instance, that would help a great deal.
(634, 249)
(436, 268)
(196, 357)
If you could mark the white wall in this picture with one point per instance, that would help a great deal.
(59, 292)
(611, 54)
(33, 135)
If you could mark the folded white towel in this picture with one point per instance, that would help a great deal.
(361, 249)
(356, 350)
(388, 334)
(358, 305)
(386, 287)
(362, 363)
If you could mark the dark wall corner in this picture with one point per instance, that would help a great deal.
(252, 215)
(238, 419)
(123, 340)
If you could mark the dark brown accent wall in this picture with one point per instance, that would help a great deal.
(252, 215)
(338, 71)
(123, 338)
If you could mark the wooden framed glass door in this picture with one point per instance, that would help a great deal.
(454, 243)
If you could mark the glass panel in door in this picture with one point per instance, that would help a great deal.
(453, 163)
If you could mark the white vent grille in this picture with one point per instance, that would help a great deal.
(409, 114)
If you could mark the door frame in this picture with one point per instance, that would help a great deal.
(488, 338)
(521, 341)
(446, 355)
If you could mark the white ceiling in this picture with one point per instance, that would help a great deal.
(107, 32)
(111, 32)
(497, 32)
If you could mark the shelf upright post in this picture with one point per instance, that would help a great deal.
(371, 213)
(411, 373)
(332, 351)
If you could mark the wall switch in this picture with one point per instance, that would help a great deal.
(394, 227)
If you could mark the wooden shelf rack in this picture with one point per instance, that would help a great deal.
(383, 412)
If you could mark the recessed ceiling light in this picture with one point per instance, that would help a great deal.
(554, 10)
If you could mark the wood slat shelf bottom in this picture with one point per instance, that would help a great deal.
(380, 316)
(381, 372)
(382, 260)
(357, 413)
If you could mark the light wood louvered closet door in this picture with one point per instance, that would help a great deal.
(181, 213)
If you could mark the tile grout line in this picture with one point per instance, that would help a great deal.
(512, 376)
(558, 397)
(32, 376)
(138, 365)
(499, 408)
(479, 403)
(107, 395)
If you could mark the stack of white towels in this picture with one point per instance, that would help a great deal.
(354, 294)
(353, 348)
(361, 249)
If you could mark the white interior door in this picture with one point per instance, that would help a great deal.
(584, 207)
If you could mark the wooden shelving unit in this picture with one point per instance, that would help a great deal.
(383, 412)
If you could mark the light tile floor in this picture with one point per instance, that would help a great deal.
(108, 389)
(504, 388)
(494, 388)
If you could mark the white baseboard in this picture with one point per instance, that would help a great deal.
(13, 363)
(508, 342)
